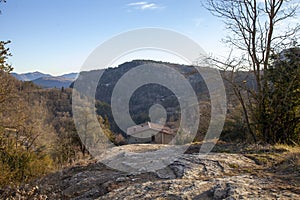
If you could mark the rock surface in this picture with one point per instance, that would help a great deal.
(189, 176)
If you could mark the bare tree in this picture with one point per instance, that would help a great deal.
(258, 29)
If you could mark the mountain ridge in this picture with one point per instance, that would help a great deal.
(29, 76)
(47, 80)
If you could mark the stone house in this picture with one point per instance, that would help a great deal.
(149, 133)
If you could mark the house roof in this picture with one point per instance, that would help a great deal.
(148, 126)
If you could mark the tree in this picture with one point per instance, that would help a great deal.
(5, 68)
(4, 54)
(257, 30)
(283, 99)
(105, 126)
(23, 153)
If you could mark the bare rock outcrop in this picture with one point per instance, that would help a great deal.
(189, 176)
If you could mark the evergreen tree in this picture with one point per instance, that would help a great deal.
(283, 99)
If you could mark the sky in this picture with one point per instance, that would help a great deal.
(57, 36)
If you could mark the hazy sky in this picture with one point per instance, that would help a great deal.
(57, 36)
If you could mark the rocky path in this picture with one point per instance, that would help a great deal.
(190, 176)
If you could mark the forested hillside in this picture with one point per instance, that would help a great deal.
(37, 132)
(150, 94)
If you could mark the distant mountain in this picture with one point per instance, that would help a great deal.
(53, 82)
(70, 76)
(30, 76)
(47, 80)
